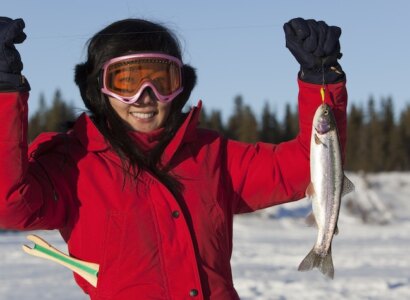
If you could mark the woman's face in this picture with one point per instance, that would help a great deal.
(145, 115)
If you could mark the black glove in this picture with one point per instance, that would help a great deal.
(316, 47)
(11, 32)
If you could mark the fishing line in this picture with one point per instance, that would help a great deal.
(216, 28)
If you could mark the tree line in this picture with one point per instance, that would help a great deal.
(378, 140)
(50, 118)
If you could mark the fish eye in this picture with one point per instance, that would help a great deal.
(326, 112)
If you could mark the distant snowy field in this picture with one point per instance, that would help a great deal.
(371, 254)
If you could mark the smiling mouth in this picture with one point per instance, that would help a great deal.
(142, 116)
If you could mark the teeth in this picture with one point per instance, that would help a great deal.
(142, 115)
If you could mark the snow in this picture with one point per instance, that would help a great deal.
(370, 253)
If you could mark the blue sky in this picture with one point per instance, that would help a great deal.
(238, 47)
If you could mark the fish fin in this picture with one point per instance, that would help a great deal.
(310, 190)
(309, 262)
(317, 140)
(336, 230)
(326, 265)
(311, 220)
(348, 186)
(323, 263)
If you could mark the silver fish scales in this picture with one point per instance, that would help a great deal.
(328, 185)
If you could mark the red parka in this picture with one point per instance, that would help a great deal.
(150, 245)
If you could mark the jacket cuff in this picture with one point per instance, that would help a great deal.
(330, 75)
(13, 82)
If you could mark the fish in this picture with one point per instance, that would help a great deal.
(328, 185)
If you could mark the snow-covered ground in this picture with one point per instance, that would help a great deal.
(371, 253)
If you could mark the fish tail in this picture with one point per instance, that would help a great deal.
(323, 263)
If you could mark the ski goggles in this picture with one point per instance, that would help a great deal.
(126, 77)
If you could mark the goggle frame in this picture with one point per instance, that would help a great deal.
(136, 96)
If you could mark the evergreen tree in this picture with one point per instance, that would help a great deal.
(242, 125)
(389, 137)
(290, 125)
(248, 127)
(270, 129)
(404, 135)
(235, 120)
(373, 152)
(215, 121)
(37, 121)
(354, 138)
(50, 119)
(203, 118)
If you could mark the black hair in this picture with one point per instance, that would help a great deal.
(117, 39)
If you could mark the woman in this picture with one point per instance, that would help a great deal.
(135, 186)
